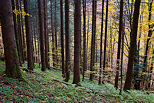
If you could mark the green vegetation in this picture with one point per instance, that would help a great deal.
(41, 87)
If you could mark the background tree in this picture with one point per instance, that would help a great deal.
(94, 7)
(84, 38)
(28, 36)
(46, 34)
(53, 39)
(105, 42)
(41, 36)
(62, 38)
(119, 44)
(100, 72)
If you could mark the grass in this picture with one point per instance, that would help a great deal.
(43, 88)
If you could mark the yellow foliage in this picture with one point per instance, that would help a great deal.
(17, 12)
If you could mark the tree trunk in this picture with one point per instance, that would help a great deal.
(119, 44)
(84, 38)
(104, 61)
(148, 40)
(41, 36)
(16, 30)
(100, 72)
(94, 7)
(67, 62)
(62, 38)
(23, 37)
(8, 35)
(132, 47)
(20, 48)
(53, 40)
(45, 34)
(77, 36)
(28, 37)
(55, 25)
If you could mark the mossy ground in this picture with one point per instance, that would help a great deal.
(42, 88)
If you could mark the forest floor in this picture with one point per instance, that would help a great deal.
(42, 87)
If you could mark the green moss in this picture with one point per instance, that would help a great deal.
(15, 53)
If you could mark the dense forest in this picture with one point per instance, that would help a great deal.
(92, 46)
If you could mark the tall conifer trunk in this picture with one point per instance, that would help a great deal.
(77, 36)
(9, 41)
(132, 47)
(28, 36)
(41, 36)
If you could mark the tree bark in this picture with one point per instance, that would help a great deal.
(104, 60)
(67, 62)
(84, 39)
(62, 38)
(8, 35)
(46, 34)
(53, 39)
(28, 37)
(119, 44)
(100, 72)
(94, 7)
(41, 36)
(77, 36)
(127, 85)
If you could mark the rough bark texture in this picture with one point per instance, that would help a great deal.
(67, 62)
(77, 36)
(100, 72)
(132, 47)
(8, 35)
(62, 38)
(41, 36)
(28, 37)
(119, 44)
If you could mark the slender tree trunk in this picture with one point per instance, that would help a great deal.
(84, 39)
(148, 40)
(41, 36)
(122, 51)
(100, 72)
(23, 37)
(8, 35)
(20, 48)
(67, 62)
(62, 38)
(94, 7)
(45, 33)
(77, 36)
(28, 37)
(132, 47)
(16, 30)
(55, 24)
(53, 40)
(119, 44)
(104, 61)
(88, 36)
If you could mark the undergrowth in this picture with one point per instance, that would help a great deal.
(41, 87)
